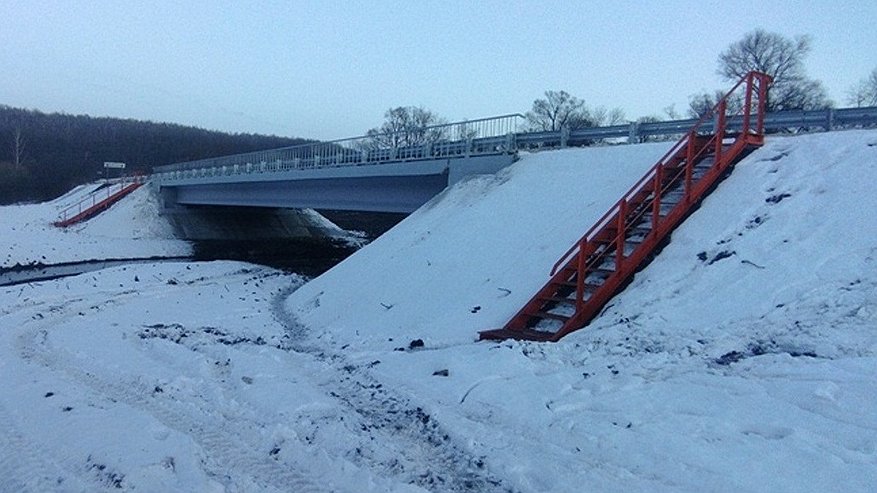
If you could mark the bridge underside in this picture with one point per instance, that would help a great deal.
(375, 194)
(395, 187)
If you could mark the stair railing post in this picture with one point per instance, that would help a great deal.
(763, 83)
(580, 275)
(689, 166)
(656, 203)
(720, 130)
(619, 240)
(747, 105)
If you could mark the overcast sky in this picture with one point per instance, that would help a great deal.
(330, 69)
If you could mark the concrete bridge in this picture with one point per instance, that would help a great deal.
(400, 171)
(396, 172)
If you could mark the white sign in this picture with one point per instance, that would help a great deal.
(110, 164)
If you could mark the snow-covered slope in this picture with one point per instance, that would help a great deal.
(742, 359)
(475, 253)
(131, 228)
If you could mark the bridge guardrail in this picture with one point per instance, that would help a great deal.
(471, 137)
(494, 135)
(827, 119)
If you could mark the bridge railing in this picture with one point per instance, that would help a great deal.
(501, 134)
(472, 137)
(825, 119)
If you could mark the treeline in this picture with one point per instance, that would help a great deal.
(44, 155)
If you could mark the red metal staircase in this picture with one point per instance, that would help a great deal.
(607, 256)
(98, 201)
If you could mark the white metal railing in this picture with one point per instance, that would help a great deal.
(472, 137)
(494, 135)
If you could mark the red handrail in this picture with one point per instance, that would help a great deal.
(68, 215)
(609, 250)
(673, 151)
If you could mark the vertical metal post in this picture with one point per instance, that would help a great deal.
(656, 203)
(632, 131)
(689, 166)
(747, 105)
(763, 85)
(564, 136)
(580, 275)
(619, 240)
(720, 130)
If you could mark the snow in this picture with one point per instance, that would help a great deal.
(486, 243)
(131, 228)
(741, 359)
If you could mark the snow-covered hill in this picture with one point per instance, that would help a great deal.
(131, 228)
(742, 359)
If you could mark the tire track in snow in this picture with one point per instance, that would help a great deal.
(427, 455)
(22, 469)
(225, 450)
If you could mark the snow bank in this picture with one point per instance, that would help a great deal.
(473, 255)
(741, 359)
(131, 228)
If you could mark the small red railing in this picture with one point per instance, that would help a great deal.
(98, 200)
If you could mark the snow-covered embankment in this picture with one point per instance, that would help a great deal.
(741, 359)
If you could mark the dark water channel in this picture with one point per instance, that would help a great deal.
(309, 257)
(21, 274)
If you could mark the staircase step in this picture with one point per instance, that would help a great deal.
(603, 271)
(559, 299)
(589, 286)
(643, 228)
(553, 316)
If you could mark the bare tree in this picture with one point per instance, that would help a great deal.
(601, 117)
(407, 126)
(781, 58)
(671, 112)
(558, 110)
(650, 138)
(18, 144)
(701, 104)
(865, 92)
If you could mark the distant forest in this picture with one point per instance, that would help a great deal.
(44, 155)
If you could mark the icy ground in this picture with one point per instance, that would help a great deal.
(741, 359)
